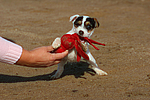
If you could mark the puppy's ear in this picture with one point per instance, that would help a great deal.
(73, 18)
(96, 23)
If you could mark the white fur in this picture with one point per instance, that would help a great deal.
(56, 43)
(72, 17)
(72, 56)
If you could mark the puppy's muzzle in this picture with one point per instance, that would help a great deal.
(81, 32)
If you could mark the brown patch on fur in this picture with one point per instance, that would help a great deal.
(87, 23)
(89, 31)
(96, 23)
(73, 18)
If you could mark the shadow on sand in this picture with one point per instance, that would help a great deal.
(76, 69)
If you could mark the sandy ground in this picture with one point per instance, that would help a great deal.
(125, 29)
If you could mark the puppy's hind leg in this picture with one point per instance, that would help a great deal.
(94, 65)
(60, 70)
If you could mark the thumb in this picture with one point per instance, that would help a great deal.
(60, 55)
(49, 48)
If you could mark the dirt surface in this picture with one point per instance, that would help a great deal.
(125, 29)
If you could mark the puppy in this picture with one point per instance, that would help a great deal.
(83, 26)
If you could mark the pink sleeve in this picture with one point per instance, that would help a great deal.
(9, 52)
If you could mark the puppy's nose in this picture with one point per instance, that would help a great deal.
(81, 32)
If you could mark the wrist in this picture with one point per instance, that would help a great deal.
(25, 59)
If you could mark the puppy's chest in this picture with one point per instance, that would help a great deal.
(72, 56)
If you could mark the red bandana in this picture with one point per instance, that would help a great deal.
(69, 41)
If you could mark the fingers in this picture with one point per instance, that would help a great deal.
(60, 55)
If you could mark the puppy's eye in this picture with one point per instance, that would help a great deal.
(89, 27)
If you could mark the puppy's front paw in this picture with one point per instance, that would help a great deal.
(100, 72)
(84, 47)
(56, 43)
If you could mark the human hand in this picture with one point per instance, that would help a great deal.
(40, 57)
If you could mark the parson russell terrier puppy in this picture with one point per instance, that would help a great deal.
(83, 26)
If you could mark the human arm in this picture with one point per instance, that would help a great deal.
(12, 53)
(40, 57)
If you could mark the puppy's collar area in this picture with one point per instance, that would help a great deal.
(68, 41)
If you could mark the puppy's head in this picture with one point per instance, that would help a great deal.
(84, 25)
